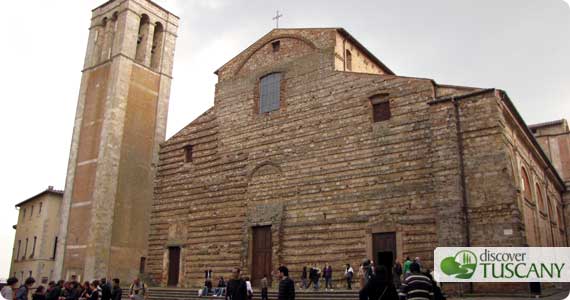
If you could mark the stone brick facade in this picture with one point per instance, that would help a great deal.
(120, 122)
(442, 171)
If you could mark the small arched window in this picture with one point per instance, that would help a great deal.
(157, 45)
(269, 92)
(526, 185)
(348, 59)
(142, 38)
(539, 198)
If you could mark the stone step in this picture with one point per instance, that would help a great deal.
(192, 294)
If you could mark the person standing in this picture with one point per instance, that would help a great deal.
(397, 271)
(379, 287)
(407, 264)
(117, 292)
(138, 289)
(264, 287)
(418, 261)
(286, 285)
(39, 294)
(93, 293)
(85, 290)
(8, 290)
(22, 293)
(105, 289)
(316, 276)
(56, 292)
(249, 289)
(304, 278)
(327, 274)
(348, 274)
(237, 289)
(416, 285)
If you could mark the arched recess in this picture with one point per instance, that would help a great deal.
(530, 223)
(156, 50)
(539, 198)
(282, 36)
(527, 192)
(110, 30)
(142, 38)
(99, 41)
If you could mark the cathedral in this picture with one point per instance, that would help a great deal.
(313, 152)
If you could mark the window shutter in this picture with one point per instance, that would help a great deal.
(380, 108)
(270, 90)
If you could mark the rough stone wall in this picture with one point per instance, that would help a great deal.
(338, 176)
(324, 175)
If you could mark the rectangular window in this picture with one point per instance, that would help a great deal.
(18, 253)
(40, 212)
(269, 93)
(276, 46)
(348, 60)
(142, 265)
(34, 247)
(380, 108)
(31, 212)
(55, 247)
(25, 249)
(24, 214)
(188, 153)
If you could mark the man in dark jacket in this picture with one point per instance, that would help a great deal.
(117, 292)
(105, 289)
(379, 287)
(237, 289)
(286, 285)
(54, 292)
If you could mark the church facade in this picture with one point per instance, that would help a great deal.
(316, 152)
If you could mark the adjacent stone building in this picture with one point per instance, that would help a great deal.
(35, 244)
(315, 152)
(119, 124)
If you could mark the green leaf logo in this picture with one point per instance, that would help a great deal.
(462, 265)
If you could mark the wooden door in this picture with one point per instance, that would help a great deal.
(261, 260)
(173, 265)
(384, 250)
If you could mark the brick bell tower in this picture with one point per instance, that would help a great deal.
(119, 124)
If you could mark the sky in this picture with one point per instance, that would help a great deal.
(520, 46)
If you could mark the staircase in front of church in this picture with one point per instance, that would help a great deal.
(192, 294)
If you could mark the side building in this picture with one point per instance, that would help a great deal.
(37, 234)
(315, 152)
(554, 138)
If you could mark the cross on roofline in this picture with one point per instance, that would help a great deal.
(276, 18)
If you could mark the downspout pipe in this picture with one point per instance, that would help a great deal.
(460, 150)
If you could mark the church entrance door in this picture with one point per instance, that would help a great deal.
(173, 265)
(384, 250)
(261, 259)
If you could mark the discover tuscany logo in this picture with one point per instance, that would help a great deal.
(502, 264)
